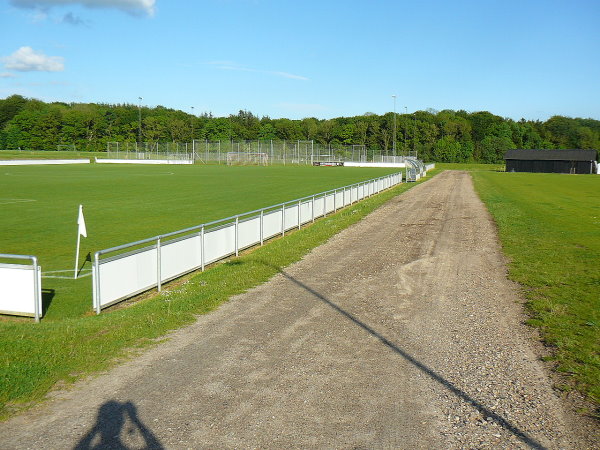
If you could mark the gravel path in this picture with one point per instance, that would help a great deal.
(400, 332)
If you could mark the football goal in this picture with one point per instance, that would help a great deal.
(245, 159)
(66, 148)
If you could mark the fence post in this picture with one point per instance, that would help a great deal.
(312, 209)
(299, 219)
(283, 219)
(237, 226)
(97, 286)
(202, 259)
(36, 289)
(335, 200)
(158, 264)
(261, 225)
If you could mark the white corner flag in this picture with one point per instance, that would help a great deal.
(81, 222)
(82, 231)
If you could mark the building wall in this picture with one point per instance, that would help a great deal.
(540, 166)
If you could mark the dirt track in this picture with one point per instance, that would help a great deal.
(400, 332)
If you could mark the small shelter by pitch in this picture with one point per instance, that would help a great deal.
(551, 161)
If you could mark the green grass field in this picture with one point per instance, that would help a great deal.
(125, 203)
(549, 225)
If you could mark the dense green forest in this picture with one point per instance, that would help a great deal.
(445, 136)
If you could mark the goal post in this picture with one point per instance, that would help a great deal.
(66, 148)
(246, 158)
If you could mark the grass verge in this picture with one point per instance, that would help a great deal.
(37, 357)
(549, 225)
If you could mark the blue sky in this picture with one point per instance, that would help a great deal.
(325, 58)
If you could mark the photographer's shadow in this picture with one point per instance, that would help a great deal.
(118, 427)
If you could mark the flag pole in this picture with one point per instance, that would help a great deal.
(77, 254)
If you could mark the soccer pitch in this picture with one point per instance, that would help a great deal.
(39, 207)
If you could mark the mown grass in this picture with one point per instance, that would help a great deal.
(549, 225)
(124, 203)
(36, 357)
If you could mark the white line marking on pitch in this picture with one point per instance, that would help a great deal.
(8, 201)
(84, 273)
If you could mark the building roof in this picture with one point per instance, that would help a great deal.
(552, 155)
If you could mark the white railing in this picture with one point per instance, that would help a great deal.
(129, 269)
(21, 287)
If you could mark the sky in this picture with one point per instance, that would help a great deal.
(527, 59)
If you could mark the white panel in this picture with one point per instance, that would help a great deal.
(354, 194)
(249, 233)
(373, 164)
(179, 257)
(319, 205)
(306, 211)
(339, 199)
(271, 224)
(329, 201)
(123, 277)
(37, 162)
(291, 216)
(144, 161)
(17, 289)
(219, 243)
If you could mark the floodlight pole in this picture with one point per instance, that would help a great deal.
(405, 113)
(394, 138)
(140, 122)
(193, 149)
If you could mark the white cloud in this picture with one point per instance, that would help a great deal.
(230, 65)
(135, 7)
(27, 59)
(7, 75)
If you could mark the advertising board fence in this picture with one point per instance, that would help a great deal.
(20, 286)
(124, 271)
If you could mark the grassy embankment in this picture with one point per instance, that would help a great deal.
(549, 225)
(35, 357)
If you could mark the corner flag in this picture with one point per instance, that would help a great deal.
(81, 222)
(82, 231)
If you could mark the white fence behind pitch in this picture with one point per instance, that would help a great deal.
(139, 266)
(21, 287)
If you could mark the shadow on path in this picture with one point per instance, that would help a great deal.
(110, 424)
(501, 421)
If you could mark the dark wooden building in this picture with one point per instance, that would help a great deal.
(551, 161)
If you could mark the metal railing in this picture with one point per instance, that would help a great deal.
(138, 266)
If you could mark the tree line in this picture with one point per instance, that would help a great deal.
(444, 136)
